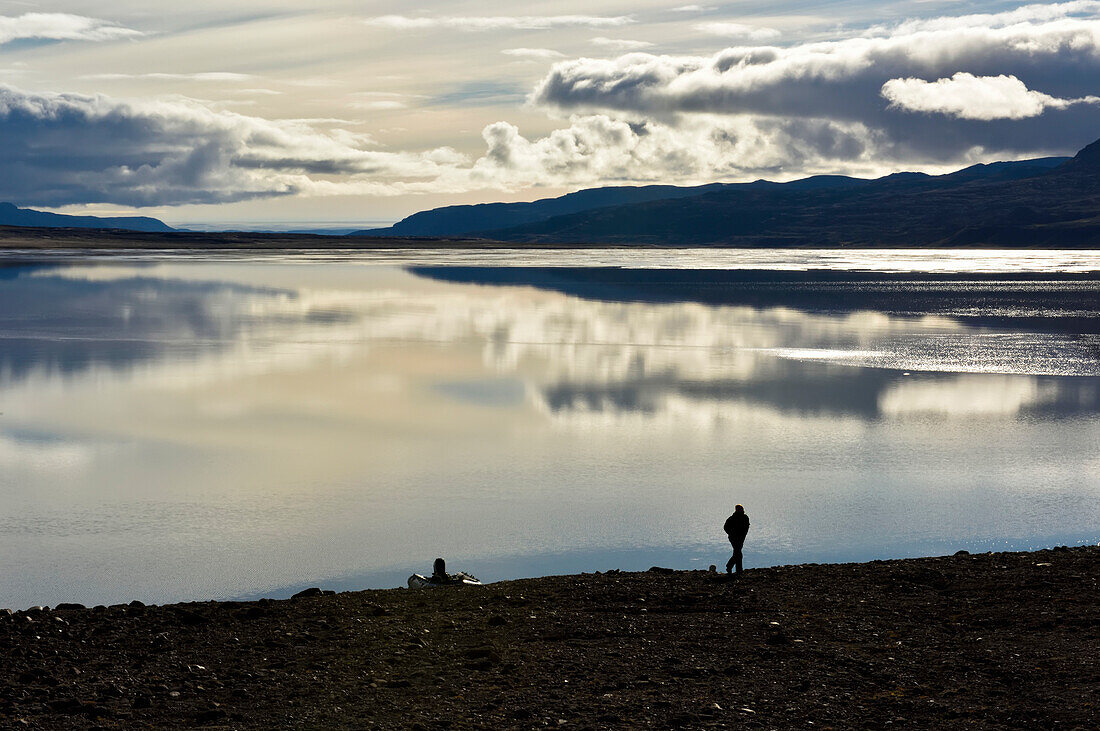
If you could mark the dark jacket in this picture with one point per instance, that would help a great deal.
(737, 526)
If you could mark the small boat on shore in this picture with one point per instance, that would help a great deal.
(418, 581)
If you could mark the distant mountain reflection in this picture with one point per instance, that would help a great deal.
(1046, 303)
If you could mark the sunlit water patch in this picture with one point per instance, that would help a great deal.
(926, 261)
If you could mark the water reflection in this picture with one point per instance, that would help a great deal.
(51, 322)
(180, 429)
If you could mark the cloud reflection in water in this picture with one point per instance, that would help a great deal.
(350, 419)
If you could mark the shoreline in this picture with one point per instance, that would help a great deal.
(90, 239)
(988, 640)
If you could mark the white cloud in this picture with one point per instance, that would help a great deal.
(497, 22)
(693, 9)
(201, 76)
(842, 81)
(974, 97)
(1042, 12)
(378, 105)
(61, 27)
(738, 30)
(597, 149)
(534, 54)
(620, 44)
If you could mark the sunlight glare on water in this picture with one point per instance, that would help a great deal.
(942, 261)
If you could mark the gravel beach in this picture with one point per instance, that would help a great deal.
(999, 640)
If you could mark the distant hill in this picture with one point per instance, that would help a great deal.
(460, 220)
(451, 220)
(1045, 201)
(10, 215)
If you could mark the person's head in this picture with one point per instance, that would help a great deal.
(439, 567)
(739, 509)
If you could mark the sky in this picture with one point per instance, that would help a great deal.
(328, 111)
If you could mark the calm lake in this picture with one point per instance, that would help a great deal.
(192, 426)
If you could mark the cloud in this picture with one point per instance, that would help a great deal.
(620, 44)
(692, 9)
(974, 97)
(497, 22)
(378, 105)
(1048, 49)
(1023, 14)
(72, 148)
(935, 97)
(533, 54)
(75, 149)
(738, 30)
(201, 76)
(60, 27)
(596, 149)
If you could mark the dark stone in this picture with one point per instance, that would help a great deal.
(63, 606)
(660, 570)
(312, 591)
(213, 715)
(189, 618)
(777, 638)
(136, 604)
(496, 620)
(477, 653)
(64, 705)
(962, 553)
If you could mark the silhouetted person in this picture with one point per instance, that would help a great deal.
(736, 527)
(439, 572)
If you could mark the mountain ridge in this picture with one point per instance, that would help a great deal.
(760, 213)
(1044, 202)
(12, 215)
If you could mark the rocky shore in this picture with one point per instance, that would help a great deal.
(990, 641)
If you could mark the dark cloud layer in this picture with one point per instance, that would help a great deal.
(71, 148)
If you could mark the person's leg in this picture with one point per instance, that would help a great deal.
(737, 557)
(733, 559)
